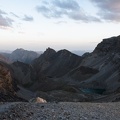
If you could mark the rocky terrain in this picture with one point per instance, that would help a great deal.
(60, 111)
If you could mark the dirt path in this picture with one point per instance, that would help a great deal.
(62, 111)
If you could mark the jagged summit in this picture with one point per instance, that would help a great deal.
(20, 49)
(49, 52)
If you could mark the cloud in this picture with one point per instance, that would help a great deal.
(20, 32)
(5, 22)
(28, 18)
(83, 17)
(108, 9)
(69, 5)
(49, 12)
(64, 8)
(14, 15)
(2, 12)
(61, 22)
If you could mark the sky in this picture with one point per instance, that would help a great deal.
(59, 24)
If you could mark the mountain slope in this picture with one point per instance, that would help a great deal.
(105, 58)
(23, 73)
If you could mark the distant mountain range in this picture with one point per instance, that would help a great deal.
(26, 56)
(5, 51)
(64, 76)
(21, 55)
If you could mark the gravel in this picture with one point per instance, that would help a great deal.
(60, 111)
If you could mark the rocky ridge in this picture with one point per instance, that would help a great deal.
(64, 76)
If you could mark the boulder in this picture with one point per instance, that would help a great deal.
(38, 100)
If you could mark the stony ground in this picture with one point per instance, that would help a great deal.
(60, 111)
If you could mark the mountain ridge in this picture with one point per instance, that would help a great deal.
(64, 76)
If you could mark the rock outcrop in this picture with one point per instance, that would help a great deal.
(8, 86)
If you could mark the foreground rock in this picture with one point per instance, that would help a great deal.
(61, 111)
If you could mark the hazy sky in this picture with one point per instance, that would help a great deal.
(69, 24)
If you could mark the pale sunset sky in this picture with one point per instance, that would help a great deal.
(59, 24)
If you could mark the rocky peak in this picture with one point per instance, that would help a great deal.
(108, 45)
(19, 49)
(49, 52)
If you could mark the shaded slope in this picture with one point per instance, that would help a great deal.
(24, 73)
